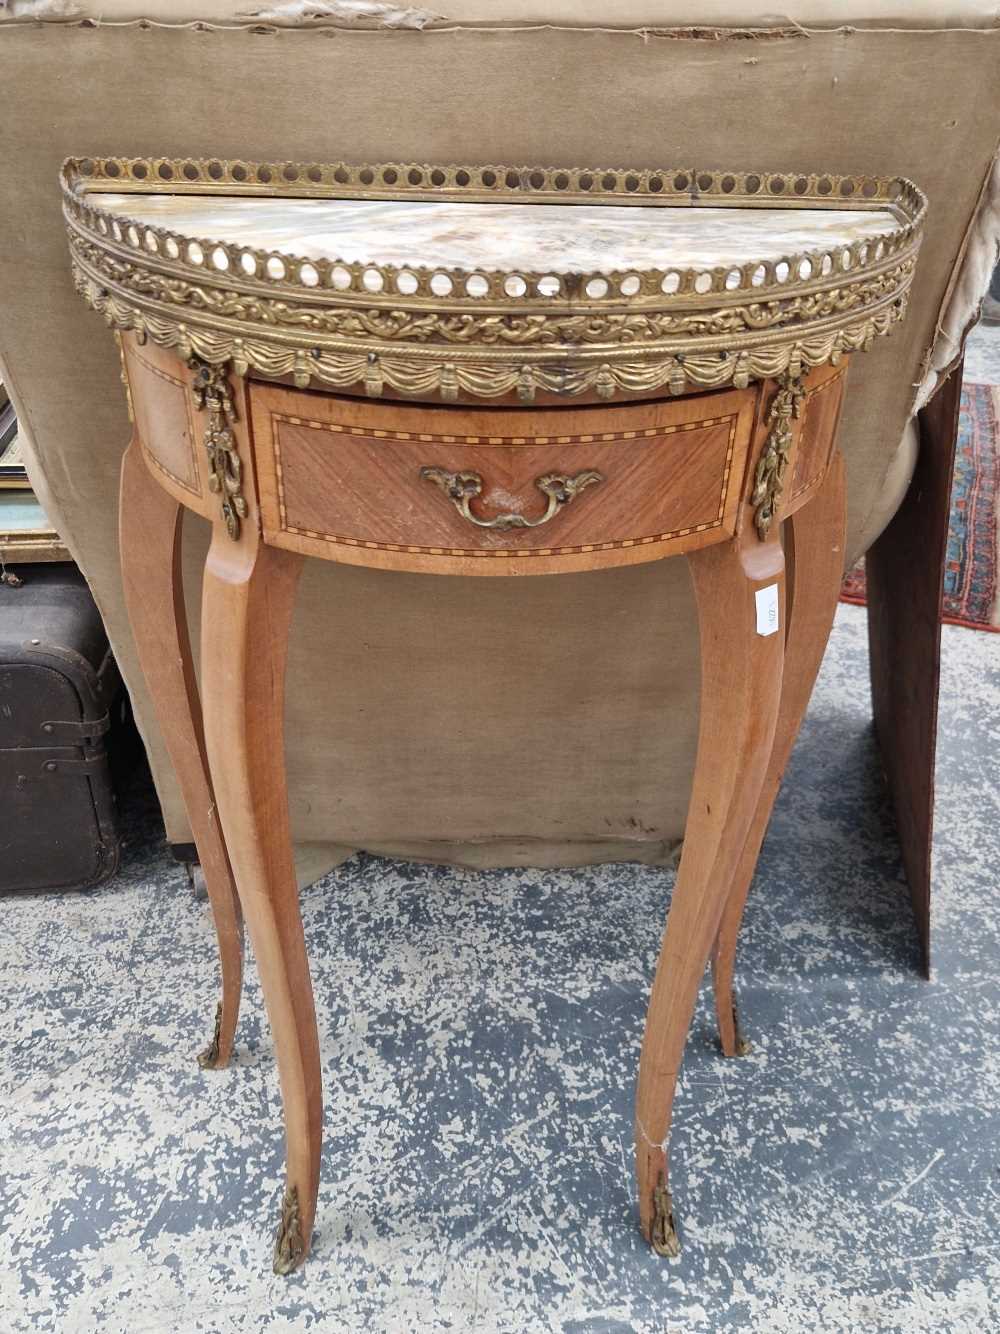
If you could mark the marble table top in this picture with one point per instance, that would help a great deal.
(535, 281)
(556, 238)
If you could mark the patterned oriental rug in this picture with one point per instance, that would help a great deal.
(970, 575)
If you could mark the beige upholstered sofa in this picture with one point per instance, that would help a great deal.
(537, 721)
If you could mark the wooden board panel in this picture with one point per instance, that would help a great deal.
(341, 478)
(905, 570)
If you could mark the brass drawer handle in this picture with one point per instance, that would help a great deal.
(462, 488)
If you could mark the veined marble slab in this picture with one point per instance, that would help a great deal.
(556, 238)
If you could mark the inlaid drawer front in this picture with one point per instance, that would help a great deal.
(500, 491)
(817, 433)
(159, 388)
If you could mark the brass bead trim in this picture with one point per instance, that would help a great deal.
(640, 323)
(277, 270)
(416, 180)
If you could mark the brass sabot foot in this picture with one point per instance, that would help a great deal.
(289, 1247)
(209, 1058)
(741, 1044)
(663, 1234)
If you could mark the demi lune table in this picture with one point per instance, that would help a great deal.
(481, 371)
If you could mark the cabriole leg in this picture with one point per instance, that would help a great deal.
(816, 567)
(248, 596)
(740, 689)
(150, 540)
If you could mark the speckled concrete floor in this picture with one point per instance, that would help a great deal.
(479, 1036)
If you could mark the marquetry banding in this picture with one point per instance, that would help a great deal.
(602, 437)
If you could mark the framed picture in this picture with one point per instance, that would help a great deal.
(12, 473)
(26, 535)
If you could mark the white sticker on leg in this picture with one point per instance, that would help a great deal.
(767, 610)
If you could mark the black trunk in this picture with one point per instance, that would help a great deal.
(58, 687)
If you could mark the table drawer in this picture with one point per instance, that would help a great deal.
(165, 416)
(502, 491)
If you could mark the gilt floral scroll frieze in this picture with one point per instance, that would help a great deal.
(445, 376)
(467, 328)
